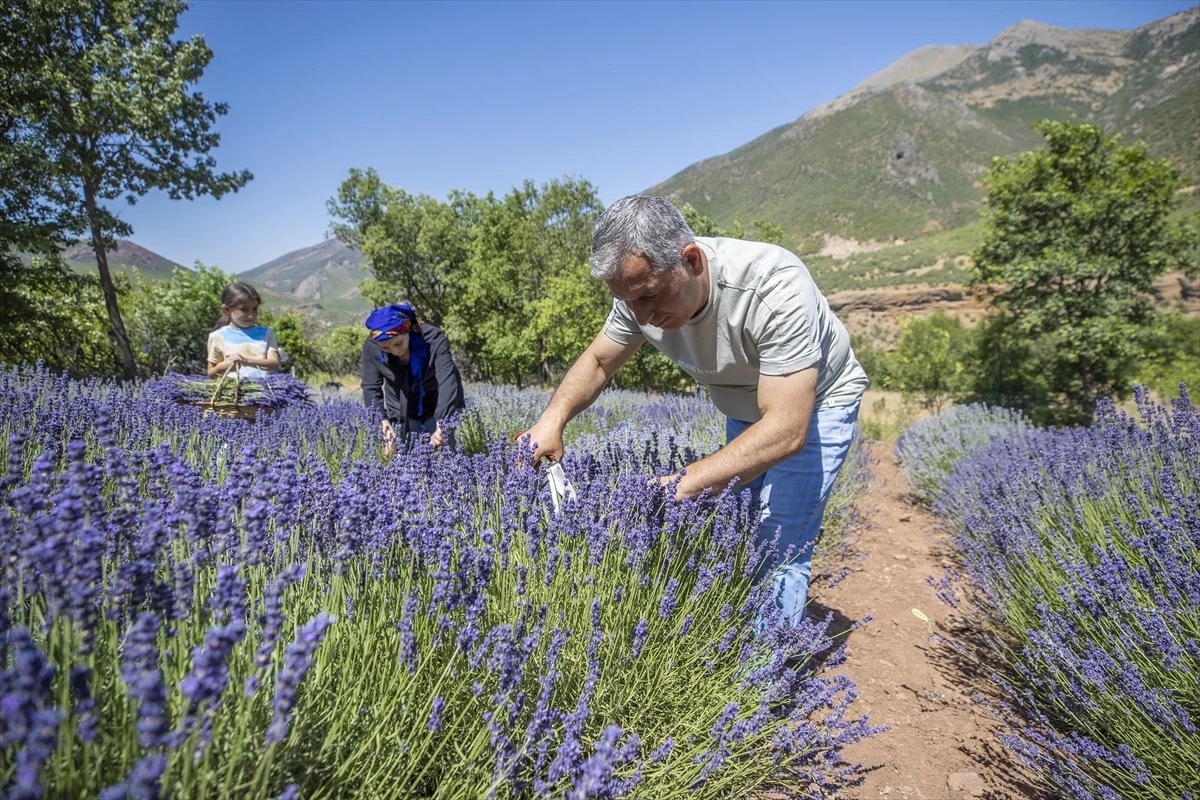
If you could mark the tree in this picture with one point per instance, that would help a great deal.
(1075, 233)
(928, 363)
(521, 246)
(340, 351)
(169, 321)
(416, 246)
(295, 345)
(107, 110)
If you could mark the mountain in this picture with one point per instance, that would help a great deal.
(321, 279)
(127, 257)
(901, 155)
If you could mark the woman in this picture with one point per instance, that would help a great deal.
(409, 374)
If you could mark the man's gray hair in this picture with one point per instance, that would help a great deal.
(639, 225)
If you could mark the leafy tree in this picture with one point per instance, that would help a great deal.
(519, 245)
(929, 361)
(877, 363)
(340, 351)
(1075, 233)
(298, 351)
(106, 110)
(169, 321)
(1172, 355)
(54, 316)
(416, 246)
(1005, 368)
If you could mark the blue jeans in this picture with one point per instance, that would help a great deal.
(793, 494)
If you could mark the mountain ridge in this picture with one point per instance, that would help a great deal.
(901, 153)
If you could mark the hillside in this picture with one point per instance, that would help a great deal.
(127, 256)
(901, 155)
(321, 280)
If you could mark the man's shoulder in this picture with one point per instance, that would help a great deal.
(746, 264)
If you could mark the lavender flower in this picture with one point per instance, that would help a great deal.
(144, 682)
(296, 662)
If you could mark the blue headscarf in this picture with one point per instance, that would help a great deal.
(396, 320)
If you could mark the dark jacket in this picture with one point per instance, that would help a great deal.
(387, 382)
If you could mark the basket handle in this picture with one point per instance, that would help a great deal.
(212, 401)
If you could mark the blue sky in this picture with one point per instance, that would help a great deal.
(480, 96)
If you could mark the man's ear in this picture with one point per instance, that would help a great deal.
(694, 258)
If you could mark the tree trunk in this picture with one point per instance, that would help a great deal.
(116, 327)
(1088, 400)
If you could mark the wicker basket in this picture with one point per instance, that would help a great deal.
(231, 410)
(234, 410)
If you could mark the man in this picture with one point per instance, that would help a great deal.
(409, 374)
(746, 320)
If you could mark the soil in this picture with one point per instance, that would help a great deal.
(906, 679)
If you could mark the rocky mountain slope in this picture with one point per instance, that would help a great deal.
(902, 154)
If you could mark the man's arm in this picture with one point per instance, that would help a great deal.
(579, 389)
(786, 404)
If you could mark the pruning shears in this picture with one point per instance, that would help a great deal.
(560, 487)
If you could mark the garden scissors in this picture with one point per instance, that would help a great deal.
(560, 487)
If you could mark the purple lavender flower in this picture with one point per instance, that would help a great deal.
(271, 621)
(296, 661)
(435, 716)
(639, 637)
(144, 682)
(206, 682)
(142, 782)
(228, 601)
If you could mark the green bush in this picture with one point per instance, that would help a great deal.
(340, 351)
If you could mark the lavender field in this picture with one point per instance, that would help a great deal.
(1080, 567)
(207, 607)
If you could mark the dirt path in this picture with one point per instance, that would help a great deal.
(940, 744)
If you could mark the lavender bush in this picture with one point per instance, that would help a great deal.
(930, 450)
(1083, 550)
(268, 608)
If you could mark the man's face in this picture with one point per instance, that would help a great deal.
(666, 300)
(396, 346)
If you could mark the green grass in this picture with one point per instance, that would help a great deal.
(903, 264)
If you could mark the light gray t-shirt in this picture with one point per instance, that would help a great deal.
(765, 316)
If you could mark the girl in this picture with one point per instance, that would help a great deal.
(238, 343)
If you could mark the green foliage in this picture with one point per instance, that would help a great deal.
(1005, 369)
(876, 362)
(340, 351)
(1075, 233)
(1172, 355)
(105, 109)
(928, 365)
(53, 316)
(519, 246)
(169, 321)
(299, 352)
(416, 246)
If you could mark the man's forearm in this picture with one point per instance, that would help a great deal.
(579, 389)
(760, 447)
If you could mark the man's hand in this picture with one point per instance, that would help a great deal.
(547, 437)
(665, 481)
(436, 438)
